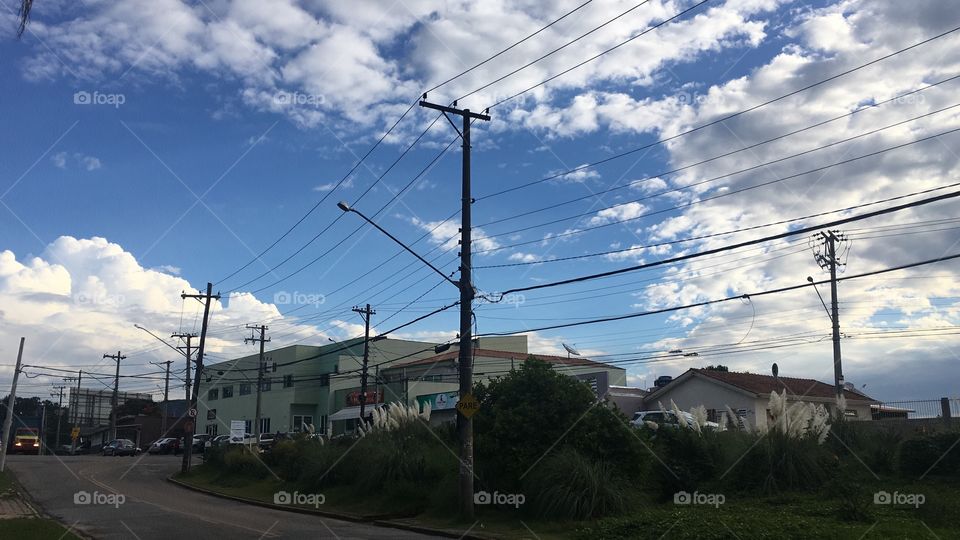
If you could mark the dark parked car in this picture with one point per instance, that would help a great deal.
(120, 447)
(167, 445)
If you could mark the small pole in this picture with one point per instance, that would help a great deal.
(10, 402)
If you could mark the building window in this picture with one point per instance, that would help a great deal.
(212, 430)
(431, 378)
(227, 391)
(288, 381)
(264, 425)
(213, 393)
(265, 387)
(299, 421)
(325, 379)
(248, 426)
(322, 426)
(244, 389)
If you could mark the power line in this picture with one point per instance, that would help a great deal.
(713, 235)
(787, 234)
(720, 300)
(730, 116)
(712, 179)
(724, 194)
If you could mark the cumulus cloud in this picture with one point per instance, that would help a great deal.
(81, 297)
(447, 235)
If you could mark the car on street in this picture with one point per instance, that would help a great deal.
(120, 447)
(26, 440)
(166, 445)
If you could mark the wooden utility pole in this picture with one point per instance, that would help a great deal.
(56, 444)
(188, 338)
(364, 312)
(260, 368)
(116, 393)
(829, 259)
(467, 294)
(8, 420)
(77, 421)
(166, 394)
(190, 426)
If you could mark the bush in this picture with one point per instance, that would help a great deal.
(688, 459)
(533, 411)
(931, 454)
(569, 485)
(778, 462)
(243, 462)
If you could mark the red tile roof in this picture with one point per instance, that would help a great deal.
(490, 353)
(765, 384)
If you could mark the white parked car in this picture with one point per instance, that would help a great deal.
(666, 418)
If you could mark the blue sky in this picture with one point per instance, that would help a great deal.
(200, 118)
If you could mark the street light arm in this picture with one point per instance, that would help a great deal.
(829, 316)
(347, 208)
(161, 340)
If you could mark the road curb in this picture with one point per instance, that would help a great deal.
(379, 521)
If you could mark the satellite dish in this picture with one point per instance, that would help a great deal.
(570, 349)
(775, 369)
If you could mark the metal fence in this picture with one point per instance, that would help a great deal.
(916, 409)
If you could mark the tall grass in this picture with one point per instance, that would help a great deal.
(569, 485)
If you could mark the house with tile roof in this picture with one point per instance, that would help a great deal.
(748, 394)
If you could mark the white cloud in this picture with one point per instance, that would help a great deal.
(81, 297)
(447, 235)
(618, 213)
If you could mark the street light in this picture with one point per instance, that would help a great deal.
(465, 360)
(161, 340)
(342, 205)
(814, 283)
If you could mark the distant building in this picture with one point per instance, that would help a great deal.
(435, 379)
(91, 408)
(748, 394)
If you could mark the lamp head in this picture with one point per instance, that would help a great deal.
(344, 206)
(810, 279)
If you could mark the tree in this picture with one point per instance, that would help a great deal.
(135, 407)
(718, 367)
(533, 412)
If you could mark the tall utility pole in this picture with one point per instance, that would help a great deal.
(467, 293)
(166, 395)
(364, 312)
(191, 423)
(829, 259)
(10, 403)
(187, 355)
(260, 367)
(56, 444)
(76, 414)
(116, 388)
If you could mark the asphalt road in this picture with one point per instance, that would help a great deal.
(153, 508)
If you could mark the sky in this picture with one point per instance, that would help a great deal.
(150, 147)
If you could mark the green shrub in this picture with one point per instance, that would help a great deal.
(526, 413)
(570, 485)
(213, 456)
(241, 461)
(931, 454)
(687, 459)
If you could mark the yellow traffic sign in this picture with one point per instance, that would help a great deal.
(468, 405)
(75, 433)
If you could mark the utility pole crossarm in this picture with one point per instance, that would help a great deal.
(453, 110)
